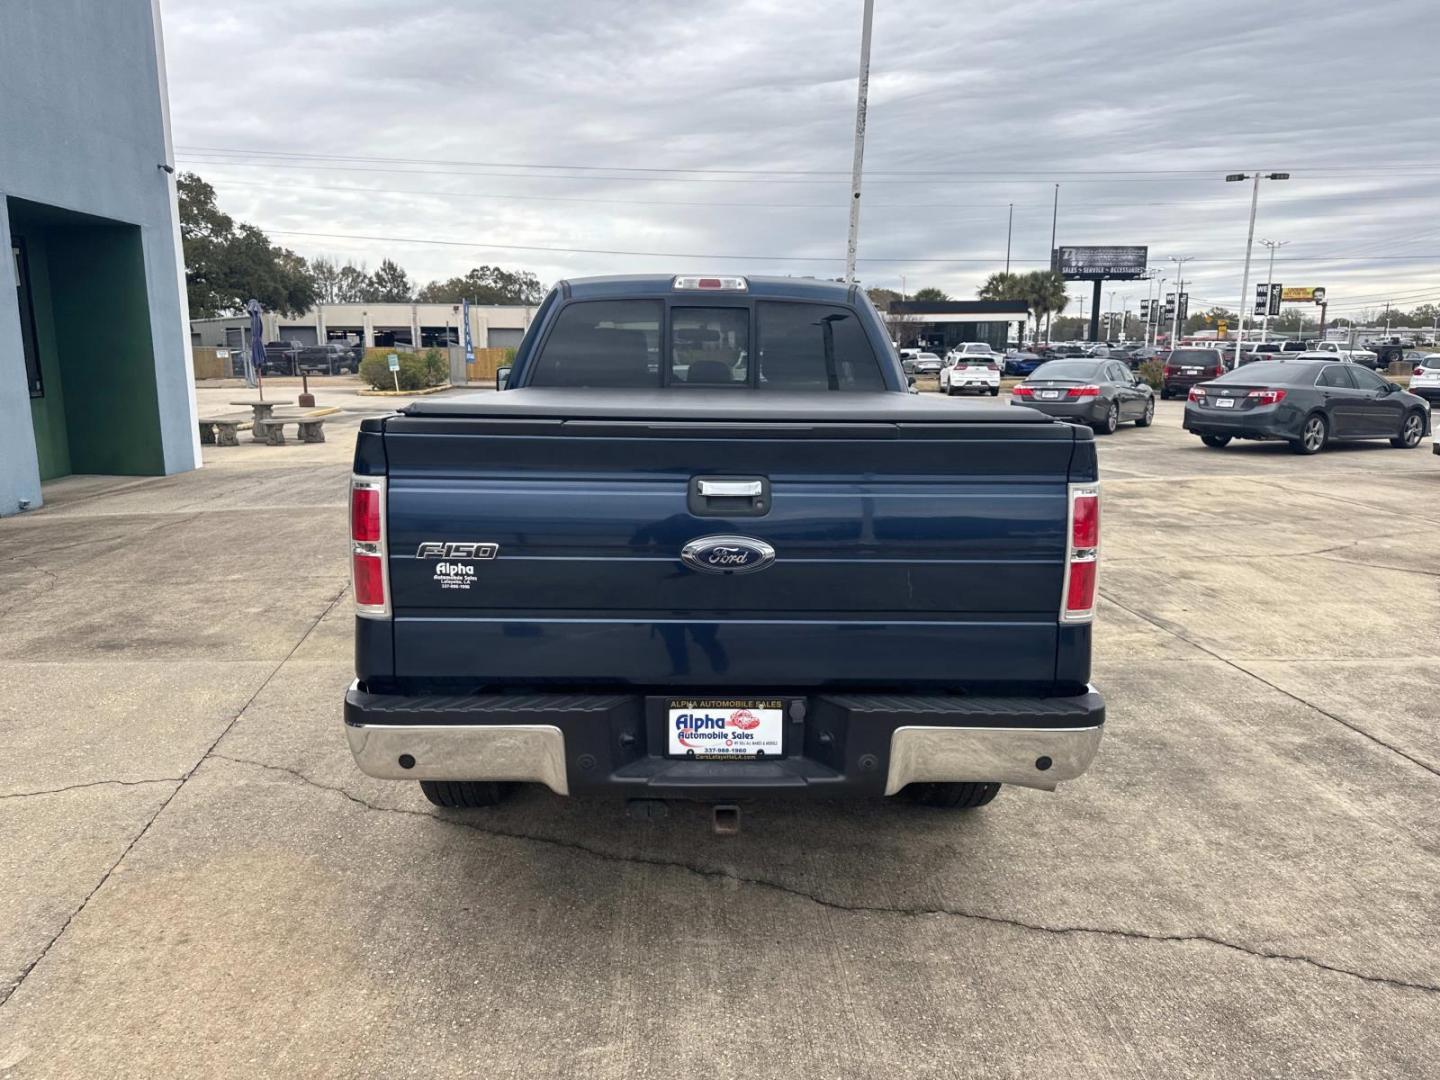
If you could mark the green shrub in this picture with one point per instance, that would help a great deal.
(1152, 372)
(416, 372)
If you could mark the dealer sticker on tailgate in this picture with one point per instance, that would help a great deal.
(730, 728)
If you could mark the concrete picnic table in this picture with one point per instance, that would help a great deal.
(262, 410)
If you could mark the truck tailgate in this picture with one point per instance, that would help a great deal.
(930, 550)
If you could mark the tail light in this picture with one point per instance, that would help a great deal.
(369, 571)
(1266, 397)
(1082, 554)
(1022, 391)
(1169, 371)
(1197, 393)
(1219, 370)
(1083, 391)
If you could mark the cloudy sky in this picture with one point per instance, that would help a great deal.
(574, 137)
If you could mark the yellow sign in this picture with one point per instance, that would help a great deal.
(1309, 294)
(1221, 327)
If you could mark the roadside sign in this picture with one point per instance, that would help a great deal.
(1099, 263)
(1222, 328)
(394, 361)
(1307, 294)
(1268, 296)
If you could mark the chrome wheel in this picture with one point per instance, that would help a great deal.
(1111, 421)
(1149, 417)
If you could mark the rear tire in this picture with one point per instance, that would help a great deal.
(1219, 442)
(465, 794)
(995, 392)
(1149, 417)
(1412, 430)
(1111, 421)
(1313, 435)
(966, 796)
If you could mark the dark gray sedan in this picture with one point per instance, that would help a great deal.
(1307, 403)
(1102, 393)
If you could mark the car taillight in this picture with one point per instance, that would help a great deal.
(369, 574)
(1083, 391)
(1082, 554)
(1266, 397)
(1217, 371)
(1169, 371)
(1197, 393)
(1022, 391)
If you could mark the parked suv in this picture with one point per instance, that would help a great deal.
(332, 358)
(1187, 366)
(280, 357)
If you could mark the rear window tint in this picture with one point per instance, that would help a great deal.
(1195, 356)
(1067, 369)
(602, 343)
(1283, 372)
(814, 347)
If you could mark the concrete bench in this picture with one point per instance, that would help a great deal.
(311, 429)
(221, 430)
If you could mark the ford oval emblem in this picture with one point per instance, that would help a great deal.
(727, 554)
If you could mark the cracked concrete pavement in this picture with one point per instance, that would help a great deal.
(198, 882)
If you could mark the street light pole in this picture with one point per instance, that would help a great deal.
(1179, 261)
(1249, 244)
(1009, 228)
(857, 165)
(1110, 318)
(1270, 282)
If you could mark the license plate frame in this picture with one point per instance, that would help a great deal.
(1225, 403)
(1048, 395)
(733, 739)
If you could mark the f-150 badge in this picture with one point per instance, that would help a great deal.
(727, 554)
(440, 549)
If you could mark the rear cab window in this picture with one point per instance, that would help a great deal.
(764, 344)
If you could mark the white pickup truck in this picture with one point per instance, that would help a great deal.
(1355, 356)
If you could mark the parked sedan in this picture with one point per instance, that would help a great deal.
(1307, 403)
(925, 363)
(964, 374)
(1101, 393)
(1022, 363)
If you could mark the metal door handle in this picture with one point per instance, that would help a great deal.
(730, 488)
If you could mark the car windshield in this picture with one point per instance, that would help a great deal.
(1286, 372)
(1067, 369)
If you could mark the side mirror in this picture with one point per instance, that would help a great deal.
(502, 376)
(1391, 388)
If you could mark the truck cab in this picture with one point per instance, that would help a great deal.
(706, 545)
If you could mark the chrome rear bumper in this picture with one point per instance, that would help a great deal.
(520, 752)
(1028, 757)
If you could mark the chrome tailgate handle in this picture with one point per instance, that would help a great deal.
(733, 489)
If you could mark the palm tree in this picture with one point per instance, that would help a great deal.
(1001, 286)
(1045, 295)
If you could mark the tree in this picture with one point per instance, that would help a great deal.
(337, 284)
(1041, 291)
(486, 285)
(389, 285)
(882, 298)
(929, 293)
(1211, 320)
(227, 263)
(1001, 286)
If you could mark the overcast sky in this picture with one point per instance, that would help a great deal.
(1137, 110)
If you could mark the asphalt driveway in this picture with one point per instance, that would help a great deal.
(196, 881)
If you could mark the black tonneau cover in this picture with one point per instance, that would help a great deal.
(778, 406)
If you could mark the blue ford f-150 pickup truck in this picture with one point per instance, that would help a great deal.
(706, 545)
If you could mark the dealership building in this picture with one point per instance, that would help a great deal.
(95, 372)
(940, 325)
(421, 326)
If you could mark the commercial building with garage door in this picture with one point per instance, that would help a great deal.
(95, 370)
(414, 325)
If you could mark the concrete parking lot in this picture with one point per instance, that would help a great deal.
(198, 882)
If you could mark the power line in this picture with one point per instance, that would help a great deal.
(373, 158)
(987, 259)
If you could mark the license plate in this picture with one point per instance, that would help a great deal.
(726, 728)
(1049, 395)
(1225, 403)
(1192, 371)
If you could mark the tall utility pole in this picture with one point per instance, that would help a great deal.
(1110, 318)
(1054, 220)
(1179, 262)
(1009, 228)
(1249, 243)
(858, 165)
(1270, 284)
